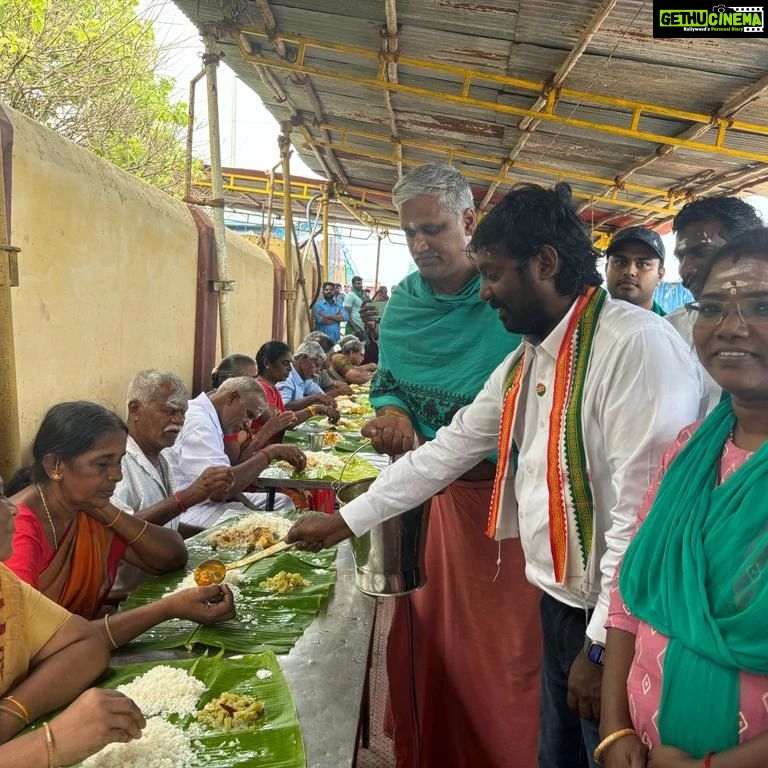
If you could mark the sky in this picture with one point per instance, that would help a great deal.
(249, 136)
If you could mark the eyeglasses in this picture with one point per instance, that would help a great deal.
(750, 311)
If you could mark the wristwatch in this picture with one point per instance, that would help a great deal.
(596, 653)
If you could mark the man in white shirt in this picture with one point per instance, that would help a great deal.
(200, 444)
(155, 408)
(631, 386)
(701, 228)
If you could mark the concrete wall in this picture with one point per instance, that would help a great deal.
(108, 278)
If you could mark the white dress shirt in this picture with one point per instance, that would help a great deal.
(200, 445)
(641, 388)
(682, 321)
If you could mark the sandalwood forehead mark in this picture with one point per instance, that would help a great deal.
(743, 275)
(697, 238)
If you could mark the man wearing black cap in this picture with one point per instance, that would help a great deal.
(635, 267)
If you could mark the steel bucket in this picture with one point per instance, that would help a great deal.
(389, 559)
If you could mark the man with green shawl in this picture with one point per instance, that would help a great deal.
(439, 342)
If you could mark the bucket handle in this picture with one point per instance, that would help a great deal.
(336, 485)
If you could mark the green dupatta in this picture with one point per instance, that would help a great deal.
(436, 351)
(697, 572)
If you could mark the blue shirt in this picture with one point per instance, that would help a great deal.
(294, 387)
(331, 330)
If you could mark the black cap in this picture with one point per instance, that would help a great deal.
(643, 234)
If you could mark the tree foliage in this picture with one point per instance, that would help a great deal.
(86, 69)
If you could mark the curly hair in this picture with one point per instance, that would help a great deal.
(734, 214)
(530, 217)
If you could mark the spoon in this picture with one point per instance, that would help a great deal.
(213, 571)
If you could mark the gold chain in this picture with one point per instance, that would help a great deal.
(48, 513)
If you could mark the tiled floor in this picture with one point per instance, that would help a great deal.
(379, 754)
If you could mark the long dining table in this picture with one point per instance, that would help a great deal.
(326, 669)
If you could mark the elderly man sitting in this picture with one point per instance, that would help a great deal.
(200, 444)
(327, 383)
(155, 408)
(300, 390)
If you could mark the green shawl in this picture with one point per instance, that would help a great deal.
(657, 309)
(436, 351)
(696, 571)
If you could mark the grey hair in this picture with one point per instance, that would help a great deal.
(310, 349)
(242, 385)
(352, 346)
(325, 341)
(145, 385)
(443, 182)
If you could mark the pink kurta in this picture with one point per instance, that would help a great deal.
(645, 674)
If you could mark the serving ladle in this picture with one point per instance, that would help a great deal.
(213, 571)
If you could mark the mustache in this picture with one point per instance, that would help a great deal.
(495, 304)
(172, 429)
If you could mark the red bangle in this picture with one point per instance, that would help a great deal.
(708, 759)
(180, 501)
(231, 438)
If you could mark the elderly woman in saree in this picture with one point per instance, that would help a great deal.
(686, 668)
(69, 538)
(47, 659)
(347, 365)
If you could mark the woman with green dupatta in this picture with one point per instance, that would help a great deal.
(686, 669)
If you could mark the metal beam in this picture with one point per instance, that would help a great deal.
(528, 125)
(506, 179)
(472, 77)
(725, 111)
(451, 153)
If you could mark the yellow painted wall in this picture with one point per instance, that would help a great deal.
(108, 274)
(251, 269)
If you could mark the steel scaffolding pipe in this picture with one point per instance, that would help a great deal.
(223, 285)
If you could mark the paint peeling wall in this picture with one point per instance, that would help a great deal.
(108, 277)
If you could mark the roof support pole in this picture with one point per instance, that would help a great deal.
(326, 241)
(10, 450)
(223, 284)
(289, 292)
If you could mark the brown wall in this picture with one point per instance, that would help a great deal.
(108, 278)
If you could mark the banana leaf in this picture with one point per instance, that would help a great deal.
(264, 621)
(275, 742)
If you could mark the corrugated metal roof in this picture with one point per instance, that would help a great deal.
(459, 98)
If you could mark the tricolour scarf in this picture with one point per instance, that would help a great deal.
(570, 490)
(436, 351)
(697, 571)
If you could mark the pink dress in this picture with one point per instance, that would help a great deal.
(645, 674)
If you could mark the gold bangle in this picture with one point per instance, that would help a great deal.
(115, 646)
(24, 711)
(109, 525)
(50, 745)
(610, 739)
(139, 534)
(311, 410)
(392, 412)
(13, 712)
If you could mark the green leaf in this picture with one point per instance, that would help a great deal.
(275, 742)
(264, 620)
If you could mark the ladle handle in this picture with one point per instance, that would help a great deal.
(275, 549)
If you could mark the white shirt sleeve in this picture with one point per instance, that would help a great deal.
(640, 411)
(198, 450)
(420, 474)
